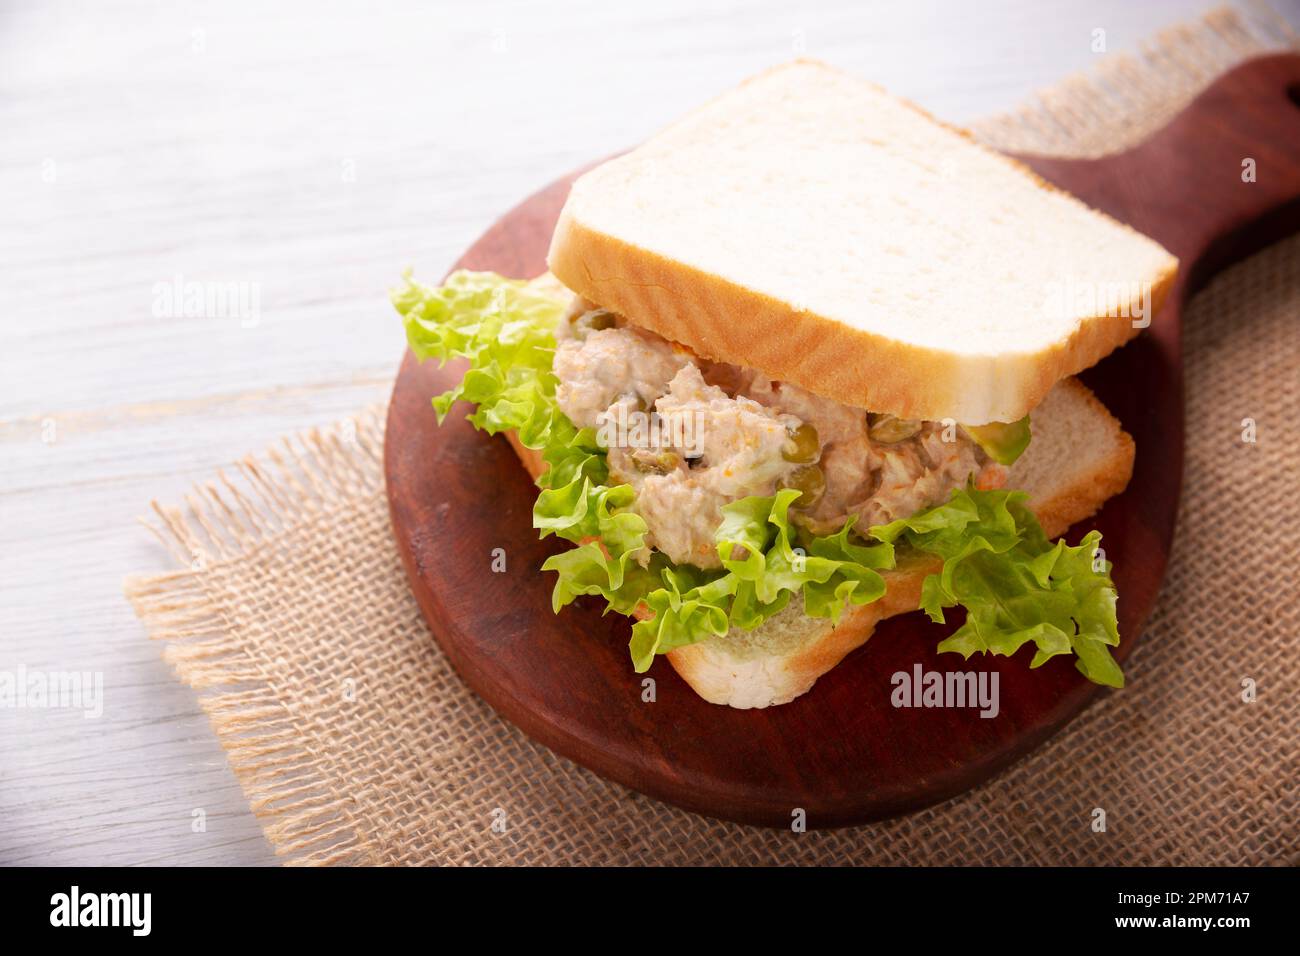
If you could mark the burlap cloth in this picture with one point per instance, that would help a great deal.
(357, 743)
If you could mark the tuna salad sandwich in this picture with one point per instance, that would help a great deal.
(802, 362)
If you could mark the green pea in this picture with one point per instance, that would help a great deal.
(809, 480)
(888, 430)
(803, 447)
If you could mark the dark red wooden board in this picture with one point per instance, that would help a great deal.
(841, 752)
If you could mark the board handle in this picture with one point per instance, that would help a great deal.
(1219, 182)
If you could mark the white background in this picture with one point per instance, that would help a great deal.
(317, 149)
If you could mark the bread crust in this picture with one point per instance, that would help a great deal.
(822, 354)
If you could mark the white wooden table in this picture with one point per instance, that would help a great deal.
(312, 151)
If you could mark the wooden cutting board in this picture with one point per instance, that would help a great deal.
(841, 753)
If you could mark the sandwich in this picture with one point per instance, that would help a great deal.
(803, 361)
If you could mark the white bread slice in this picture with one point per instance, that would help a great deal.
(1079, 457)
(811, 226)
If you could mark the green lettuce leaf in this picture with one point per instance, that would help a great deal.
(506, 330)
(1016, 586)
(764, 564)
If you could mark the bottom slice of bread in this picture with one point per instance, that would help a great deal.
(1078, 458)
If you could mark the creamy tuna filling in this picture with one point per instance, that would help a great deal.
(691, 435)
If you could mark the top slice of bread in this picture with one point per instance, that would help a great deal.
(812, 226)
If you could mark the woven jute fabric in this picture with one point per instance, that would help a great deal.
(356, 742)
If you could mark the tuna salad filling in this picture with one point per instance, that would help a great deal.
(691, 436)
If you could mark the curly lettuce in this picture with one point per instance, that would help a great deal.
(1016, 587)
(505, 329)
(764, 563)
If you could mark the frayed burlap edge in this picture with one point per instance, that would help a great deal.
(224, 521)
(303, 479)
